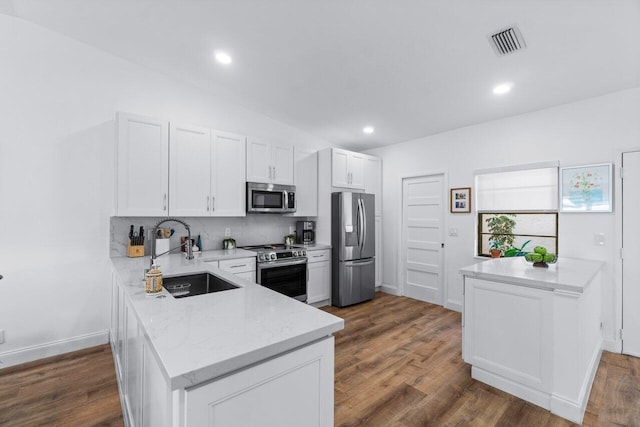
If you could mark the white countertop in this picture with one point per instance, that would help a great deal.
(203, 337)
(314, 246)
(571, 275)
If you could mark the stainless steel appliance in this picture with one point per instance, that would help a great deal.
(270, 198)
(282, 269)
(305, 232)
(353, 240)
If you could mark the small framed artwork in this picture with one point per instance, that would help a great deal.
(460, 200)
(586, 188)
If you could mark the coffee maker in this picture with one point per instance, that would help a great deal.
(305, 232)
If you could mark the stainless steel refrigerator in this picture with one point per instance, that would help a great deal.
(353, 241)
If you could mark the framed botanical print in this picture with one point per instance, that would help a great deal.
(586, 188)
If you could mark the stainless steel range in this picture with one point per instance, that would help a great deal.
(282, 269)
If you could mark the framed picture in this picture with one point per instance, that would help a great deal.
(460, 200)
(586, 188)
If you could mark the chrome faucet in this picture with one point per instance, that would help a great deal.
(154, 233)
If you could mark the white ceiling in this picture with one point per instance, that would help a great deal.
(330, 67)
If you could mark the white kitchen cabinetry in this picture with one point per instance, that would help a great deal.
(373, 181)
(241, 267)
(348, 169)
(207, 172)
(534, 332)
(269, 163)
(142, 155)
(319, 283)
(290, 390)
(306, 182)
(378, 235)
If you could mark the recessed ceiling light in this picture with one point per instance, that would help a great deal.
(222, 57)
(367, 129)
(502, 88)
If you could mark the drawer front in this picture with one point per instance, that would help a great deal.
(318, 256)
(238, 265)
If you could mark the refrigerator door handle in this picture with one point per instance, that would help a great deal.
(364, 225)
(358, 263)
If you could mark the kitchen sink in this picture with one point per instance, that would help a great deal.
(189, 285)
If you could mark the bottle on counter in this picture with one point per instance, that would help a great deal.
(153, 280)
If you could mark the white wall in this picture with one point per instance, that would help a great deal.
(585, 132)
(57, 106)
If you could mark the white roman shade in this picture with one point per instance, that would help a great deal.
(531, 187)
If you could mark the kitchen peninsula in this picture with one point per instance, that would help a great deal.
(246, 356)
(534, 332)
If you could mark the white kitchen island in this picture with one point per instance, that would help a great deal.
(535, 332)
(246, 356)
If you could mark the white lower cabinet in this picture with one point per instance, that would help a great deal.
(241, 267)
(291, 390)
(319, 283)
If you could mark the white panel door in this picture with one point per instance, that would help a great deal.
(631, 245)
(190, 170)
(422, 231)
(258, 161)
(228, 168)
(143, 166)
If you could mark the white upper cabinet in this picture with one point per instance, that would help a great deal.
(228, 163)
(207, 170)
(306, 182)
(189, 170)
(373, 181)
(269, 163)
(347, 169)
(142, 166)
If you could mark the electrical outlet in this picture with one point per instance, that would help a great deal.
(227, 232)
(1, 336)
(292, 229)
(598, 239)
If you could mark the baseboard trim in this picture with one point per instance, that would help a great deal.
(54, 348)
(387, 289)
(522, 391)
(574, 410)
(453, 305)
(614, 346)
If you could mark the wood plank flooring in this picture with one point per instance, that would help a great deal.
(74, 389)
(399, 363)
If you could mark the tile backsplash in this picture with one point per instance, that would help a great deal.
(249, 230)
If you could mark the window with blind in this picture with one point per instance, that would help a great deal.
(526, 194)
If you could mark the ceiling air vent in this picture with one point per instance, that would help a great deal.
(507, 41)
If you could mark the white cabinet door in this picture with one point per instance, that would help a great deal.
(373, 180)
(259, 167)
(190, 170)
(249, 275)
(306, 182)
(340, 175)
(133, 371)
(291, 390)
(228, 184)
(319, 284)
(282, 164)
(143, 166)
(347, 169)
(356, 167)
(269, 163)
(378, 235)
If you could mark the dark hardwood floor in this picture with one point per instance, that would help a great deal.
(74, 389)
(398, 363)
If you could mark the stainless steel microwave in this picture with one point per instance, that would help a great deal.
(270, 198)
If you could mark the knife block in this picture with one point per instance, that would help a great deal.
(135, 251)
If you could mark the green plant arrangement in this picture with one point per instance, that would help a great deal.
(501, 229)
(513, 251)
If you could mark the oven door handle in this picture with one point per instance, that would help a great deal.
(272, 264)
